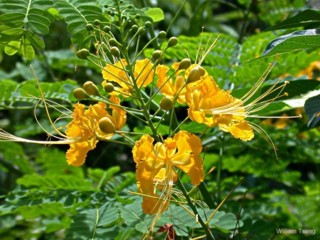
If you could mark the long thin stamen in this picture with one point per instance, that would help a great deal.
(5, 136)
(265, 135)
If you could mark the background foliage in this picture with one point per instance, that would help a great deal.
(44, 198)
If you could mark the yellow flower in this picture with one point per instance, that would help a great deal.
(119, 76)
(174, 86)
(312, 71)
(83, 132)
(171, 88)
(84, 128)
(156, 167)
(213, 106)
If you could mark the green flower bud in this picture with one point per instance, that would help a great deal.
(162, 34)
(113, 42)
(89, 27)
(108, 87)
(195, 74)
(141, 30)
(166, 103)
(79, 94)
(83, 53)
(97, 22)
(106, 125)
(91, 88)
(137, 16)
(134, 28)
(172, 42)
(111, 13)
(156, 54)
(148, 24)
(115, 51)
(106, 29)
(185, 63)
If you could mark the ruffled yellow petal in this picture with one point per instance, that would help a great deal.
(153, 204)
(143, 149)
(119, 116)
(169, 86)
(156, 167)
(77, 153)
(143, 72)
(84, 128)
(213, 106)
(240, 130)
(116, 74)
(187, 158)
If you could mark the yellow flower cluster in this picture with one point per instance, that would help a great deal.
(121, 78)
(208, 104)
(157, 164)
(84, 128)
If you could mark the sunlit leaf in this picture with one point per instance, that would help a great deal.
(312, 109)
(305, 18)
(156, 14)
(299, 40)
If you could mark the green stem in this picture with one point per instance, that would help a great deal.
(219, 166)
(177, 14)
(195, 211)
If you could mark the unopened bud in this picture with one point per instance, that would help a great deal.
(89, 27)
(83, 53)
(106, 125)
(106, 29)
(156, 54)
(112, 42)
(141, 30)
(172, 42)
(148, 24)
(195, 74)
(97, 22)
(185, 63)
(79, 94)
(108, 87)
(115, 51)
(166, 103)
(91, 88)
(111, 13)
(134, 28)
(162, 34)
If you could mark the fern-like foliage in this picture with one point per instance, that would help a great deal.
(275, 11)
(27, 92)
(22, 24)
(78, 14)
(126, 8)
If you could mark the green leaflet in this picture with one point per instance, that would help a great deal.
(305, 19)
(77, 14)
(95, 223)
(156, 14)
(27, 92)
(312, 109)
(296, 41)
(22, 25)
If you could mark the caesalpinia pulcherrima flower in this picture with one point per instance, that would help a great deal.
(118, 75)
(84, 131)
(210, 105)
(157, 164)
(213, 106)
